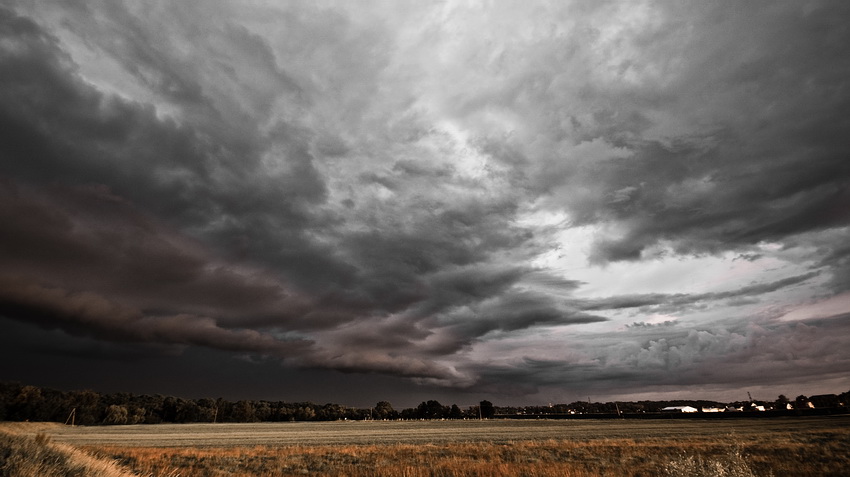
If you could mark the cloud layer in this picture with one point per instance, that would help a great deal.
(499, 198)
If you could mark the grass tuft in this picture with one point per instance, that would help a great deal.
(24, 455)
(731, 465)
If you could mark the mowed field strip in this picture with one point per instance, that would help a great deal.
(438, 432)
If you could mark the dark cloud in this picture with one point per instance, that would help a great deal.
(86, 312)
(88, 239)
(517, 310)
(467, 197)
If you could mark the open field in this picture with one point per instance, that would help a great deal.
(814, 446)
(437, 432)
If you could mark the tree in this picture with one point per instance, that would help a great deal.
(431, 410)
(116, 415)
(168, 409)
(87, 403)
(487, 409)
(782, 402)
(305, 413)
(28, 404)
(137, 416)
(207, 410)
(384, 410)
(188, 411)
(455, 413)
(243, 411)
(330, 412)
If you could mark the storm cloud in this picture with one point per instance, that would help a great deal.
(527, 202)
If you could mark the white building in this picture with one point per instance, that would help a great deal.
(679, 409)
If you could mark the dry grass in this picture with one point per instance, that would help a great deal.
(438, 432)
(26, 455)
(621, 457)
(734, 448)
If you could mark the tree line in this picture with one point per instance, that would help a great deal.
(32, 403)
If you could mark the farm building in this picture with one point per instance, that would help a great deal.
(679, 409)
(825, 400)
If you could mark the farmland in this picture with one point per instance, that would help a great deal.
(757, 447)
(434, 432)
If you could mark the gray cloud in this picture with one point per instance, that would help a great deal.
(665, 302)
(646, 360)
(406, 189)
(694, 138)
(85, 312)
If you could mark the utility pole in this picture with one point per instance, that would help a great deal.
(71, 417)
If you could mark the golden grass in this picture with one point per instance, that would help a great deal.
(620, 457)
(23, 454)
(438, 432)
(728, 448)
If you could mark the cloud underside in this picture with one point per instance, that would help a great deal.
(780, 355)
(377, 190)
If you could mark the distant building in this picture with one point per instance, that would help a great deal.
(679, 409)
(712, 409)
(825, 400)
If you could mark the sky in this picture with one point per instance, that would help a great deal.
(335, 201)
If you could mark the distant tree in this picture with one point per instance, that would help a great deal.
(87, 404)
(305, 412)
(431, 410)
(801, 402)
(243, 411)
(384, 410)
(282, 412)
(168, 409)
(263, 411)
(223, 410)
(330, 412)
(137, 416)
(487, 409)
(28, 405)
(455, 412)
(781, 402)
(206, 409)
(188, 411)
(115, 415)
